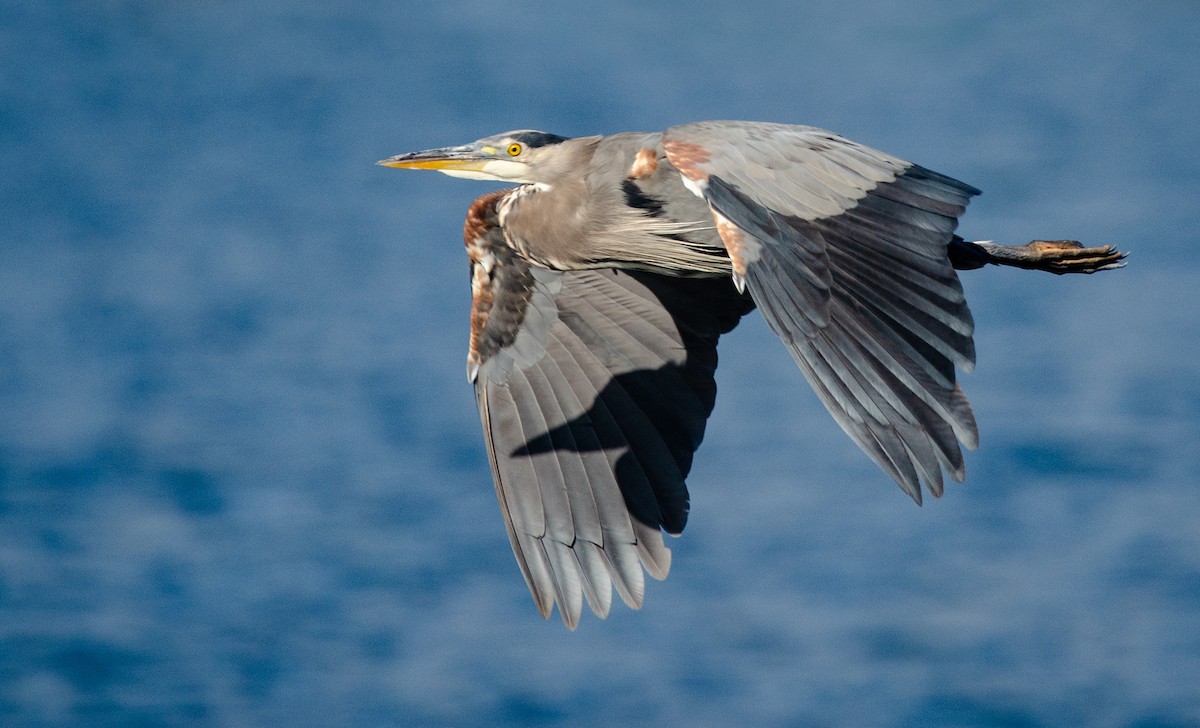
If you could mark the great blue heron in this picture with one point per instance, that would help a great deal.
(600, 287)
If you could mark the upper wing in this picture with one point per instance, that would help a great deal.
(843, 248)
(594, 388)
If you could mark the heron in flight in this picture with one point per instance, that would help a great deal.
(603, 280)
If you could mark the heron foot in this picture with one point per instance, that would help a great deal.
(1070, 256)
(1054, 256)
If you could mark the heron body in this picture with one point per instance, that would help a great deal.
(602, 283)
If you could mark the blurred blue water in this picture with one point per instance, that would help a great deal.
(241, 480)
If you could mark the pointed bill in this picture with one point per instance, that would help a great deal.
(465, 157)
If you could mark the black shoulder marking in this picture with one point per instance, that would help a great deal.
(636, 197)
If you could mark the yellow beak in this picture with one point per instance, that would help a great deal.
(464, 157)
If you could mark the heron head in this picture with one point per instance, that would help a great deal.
(526, 157)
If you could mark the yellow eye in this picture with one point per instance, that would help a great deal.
(514, 149)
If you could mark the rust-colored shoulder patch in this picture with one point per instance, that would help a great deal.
(735, 242)
(687, 158)
(482, 219)
(644, 163)
(481, 306)
(481, 216)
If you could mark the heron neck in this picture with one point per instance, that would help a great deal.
(549, 224)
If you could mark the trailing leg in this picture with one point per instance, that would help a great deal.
(1055, 256)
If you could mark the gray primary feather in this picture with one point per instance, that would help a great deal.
(602, 284)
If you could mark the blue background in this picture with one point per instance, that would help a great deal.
(241, 478)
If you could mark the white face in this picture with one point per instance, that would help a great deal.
(499, 170)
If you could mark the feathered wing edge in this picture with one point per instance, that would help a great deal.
(848, 265)
(590, 443)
